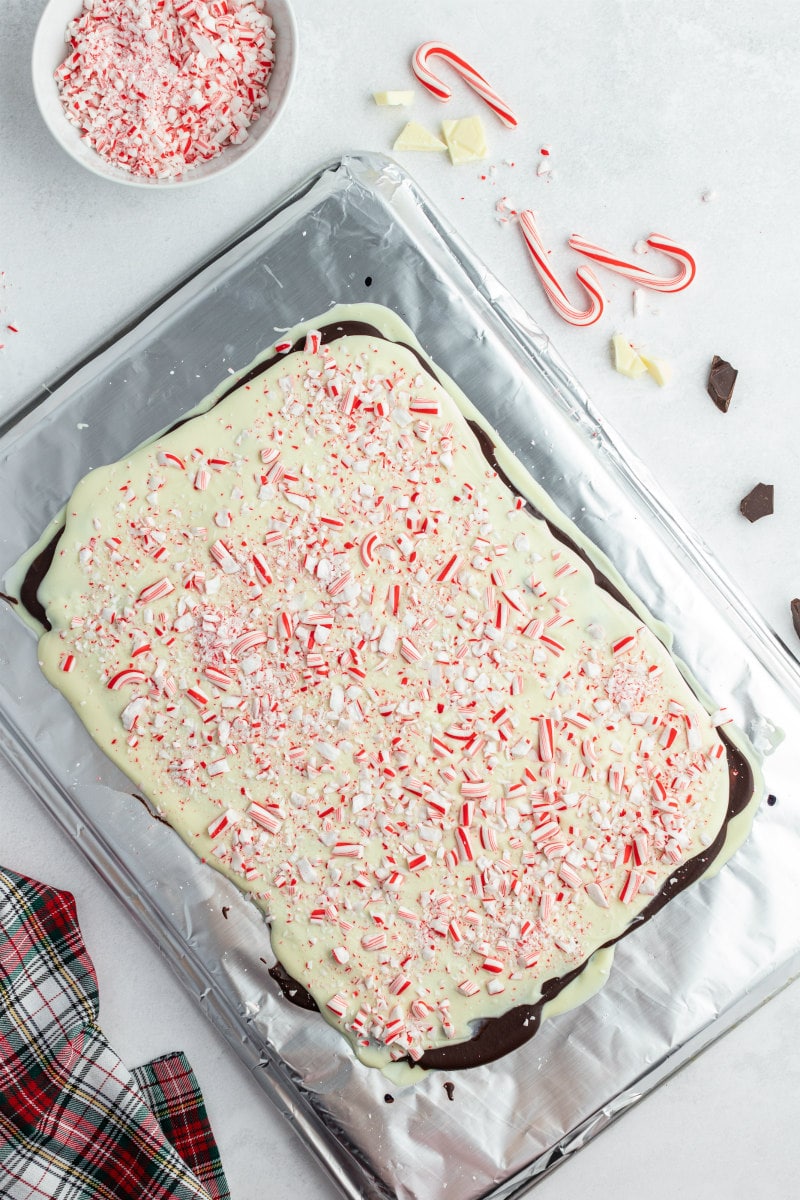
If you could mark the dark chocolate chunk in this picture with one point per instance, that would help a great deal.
(450, 1088)
(772, 801)
(758, 503)
(388, 1099)
(796, 616)
(721, 382)
(226, 908)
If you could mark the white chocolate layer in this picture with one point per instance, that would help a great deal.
(431, 731)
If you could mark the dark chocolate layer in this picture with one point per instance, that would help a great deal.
(496, 1036)
(294, 992)
(29, 592)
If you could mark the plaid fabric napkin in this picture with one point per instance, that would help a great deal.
(75, 1123)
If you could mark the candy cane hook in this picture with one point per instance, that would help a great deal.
(419, 65)
(676, 283)
(553, 289)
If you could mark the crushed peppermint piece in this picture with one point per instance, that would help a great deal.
(158, 88)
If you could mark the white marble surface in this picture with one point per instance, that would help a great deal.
(646, 107)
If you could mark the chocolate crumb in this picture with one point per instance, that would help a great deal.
(772, 801)
(226, 908)
(796, 616)
(759, 502)
(450, 1088)
(388, 1099)
(721, 382)
(368, 281)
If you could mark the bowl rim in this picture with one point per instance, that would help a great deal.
(45, 89)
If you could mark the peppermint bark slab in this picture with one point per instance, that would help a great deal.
(355, 672)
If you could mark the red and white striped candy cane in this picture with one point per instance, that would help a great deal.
(419, 65)
(553, 289)
(675, 283)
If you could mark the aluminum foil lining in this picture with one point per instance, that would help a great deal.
(707, 959)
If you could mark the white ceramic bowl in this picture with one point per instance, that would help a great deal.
(50, 49)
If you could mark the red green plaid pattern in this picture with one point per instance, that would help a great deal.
(75, 1124)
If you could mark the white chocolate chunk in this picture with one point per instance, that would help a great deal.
(393, 99)
(466, 140)
(626, 361)
(658, 368)
(416, 137)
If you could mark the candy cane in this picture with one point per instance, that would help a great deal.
(367, 549)
(419, 65)
(156, 591)
(126, 676)
(553, 289)
(676, 283)
(248, 641)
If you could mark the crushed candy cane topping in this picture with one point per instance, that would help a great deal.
(353, 705)
(159, 86)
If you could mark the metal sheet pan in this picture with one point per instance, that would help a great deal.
(708, 959)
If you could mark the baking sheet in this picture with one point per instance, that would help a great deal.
(708, 958)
